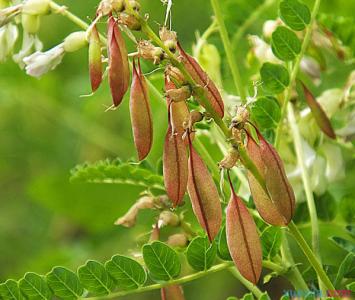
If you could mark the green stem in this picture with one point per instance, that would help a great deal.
(250, 286)
(202, 40)
(253, 17)
(306, 182)
(295, 69)
(232, 62)
(310, 256)
(152, 287)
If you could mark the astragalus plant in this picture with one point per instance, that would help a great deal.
(277, 136)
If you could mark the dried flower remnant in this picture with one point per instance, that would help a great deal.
(276, 205)
(95, 62)
(130, 21)
(118, 74)
(203, 194)
(242, 238)
(148, 51)
(140, 113)
(202, 79)
(317, 111)
(169, 38)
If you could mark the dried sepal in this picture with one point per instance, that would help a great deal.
(179, 94)
(318, 113)
(174, 75)
(172, 292)
(175, 166)
(202, 79)
(276, 205)
(140, 111)
(230, 159)
(130, 21)
(118, 73)
(203, 194)
(148, 51)
(169, 38)
(95, 62)
(243, 239)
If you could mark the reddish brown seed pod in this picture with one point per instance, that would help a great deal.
(202, 79)
(203, 194)
(172, 292)
(318, 113)
(175, 166)
(118, 73)
(243, 239)
(277, 205)
(95, 62)
(140, 113)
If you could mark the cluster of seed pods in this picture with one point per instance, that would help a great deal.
(183, 168)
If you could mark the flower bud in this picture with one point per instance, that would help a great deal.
(75, 41)
(30, 23)
(130, 21)
(36, 7)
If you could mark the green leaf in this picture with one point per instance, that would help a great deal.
(351, 230)
(264, 296)
(285, 44)
(347, 208)
(222, 246)
(346, 266)
(64, 283)
(295, 14)
(95, 278)
(33, 286)
(271, 241)
(274, 77)
(248, 297)
(343, 243)
(127, 272)
(162, 261)
(266, 112)
(10, 290)
(351, 286)
(117, 172)
(326, 207)
(285, 297)
(232, 298)
(201, 253)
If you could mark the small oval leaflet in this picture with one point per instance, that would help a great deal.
(162, 261)
(127, 272)
(266, 112)
(201, 253)
(95, 278)
(33, 286)
(222, 246)
(64, 283)
(274, 77)
(285, 44)
(295, 14)
(10, 290)
(271, 241)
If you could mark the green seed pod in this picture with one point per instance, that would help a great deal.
(75, 41)
(30, 23)
(36, 7)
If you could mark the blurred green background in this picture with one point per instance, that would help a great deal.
(46, 129)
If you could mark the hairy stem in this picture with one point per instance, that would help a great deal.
(296, 66)
(232, 62)
(306, 182)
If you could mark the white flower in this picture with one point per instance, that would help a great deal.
(30, 43)
(8, 37)
(40, 63)
(262, 50)
(270, 26)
